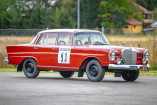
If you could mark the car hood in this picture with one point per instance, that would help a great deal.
(116, 48)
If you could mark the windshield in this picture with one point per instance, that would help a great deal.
(90, 38)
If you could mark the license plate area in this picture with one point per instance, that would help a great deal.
(133, 68)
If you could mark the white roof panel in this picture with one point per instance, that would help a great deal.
(68, 30)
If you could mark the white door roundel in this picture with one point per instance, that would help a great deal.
(64, 55)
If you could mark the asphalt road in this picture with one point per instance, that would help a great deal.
(52, 89)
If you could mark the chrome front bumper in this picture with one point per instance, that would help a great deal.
(6, 60)
(126, 67)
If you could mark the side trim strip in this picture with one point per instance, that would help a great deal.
(59, 67)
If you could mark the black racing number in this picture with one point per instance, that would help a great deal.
(62, 57)
(65, 57)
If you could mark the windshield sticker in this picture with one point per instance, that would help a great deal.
(64, 55)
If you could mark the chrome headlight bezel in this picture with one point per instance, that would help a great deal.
(111, 55)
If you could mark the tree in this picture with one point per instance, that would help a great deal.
(142, 3)
(107, 11)
(29, 14)
(113, 13)
(4, 4)
(150, 4)
(89, 14)
(137, 12)
(39, 16)
(155, 15)
(14, 17)
(64, 15)
(118, 19)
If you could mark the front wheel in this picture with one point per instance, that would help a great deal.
(130, 75)
(30, 68)
(95, 71)
(66, 74)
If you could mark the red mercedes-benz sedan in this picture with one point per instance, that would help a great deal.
(77, 50)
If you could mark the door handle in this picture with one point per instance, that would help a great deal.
(35, 48)
(54, 49)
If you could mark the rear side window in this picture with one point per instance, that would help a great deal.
(48, 39)
(64, 39)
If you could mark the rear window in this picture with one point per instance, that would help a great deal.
(47, 39)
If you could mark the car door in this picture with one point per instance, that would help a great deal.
(63, 58)
(43, 49)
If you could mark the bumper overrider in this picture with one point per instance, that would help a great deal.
(127, 67)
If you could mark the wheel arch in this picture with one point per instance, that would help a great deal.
(20, 66)
(85, 62)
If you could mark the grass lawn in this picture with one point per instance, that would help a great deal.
(151, 72)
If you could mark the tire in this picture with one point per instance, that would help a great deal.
(95, 71)
(30, 68)
(66, 74)
(130, 75)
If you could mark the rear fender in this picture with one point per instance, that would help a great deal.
(20, 66)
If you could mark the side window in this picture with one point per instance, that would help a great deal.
(64, 39)
(80, 39)
(96, 38)
(47, 39)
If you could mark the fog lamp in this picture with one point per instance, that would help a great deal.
(118, 61)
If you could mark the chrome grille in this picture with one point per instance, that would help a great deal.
(129, 56)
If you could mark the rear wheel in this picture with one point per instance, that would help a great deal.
(95, 71)
(30, 68)
(130, 75)
(66, 74)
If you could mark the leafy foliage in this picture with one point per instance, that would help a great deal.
(142, 3)
(115, 12)
(109, 10)
(118, 19)
(3, 14)
(14, 17)
(155, 15)
(148, 4)
(63, 14)
(89, 14)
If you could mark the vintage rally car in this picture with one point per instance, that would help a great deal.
(77, 50)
